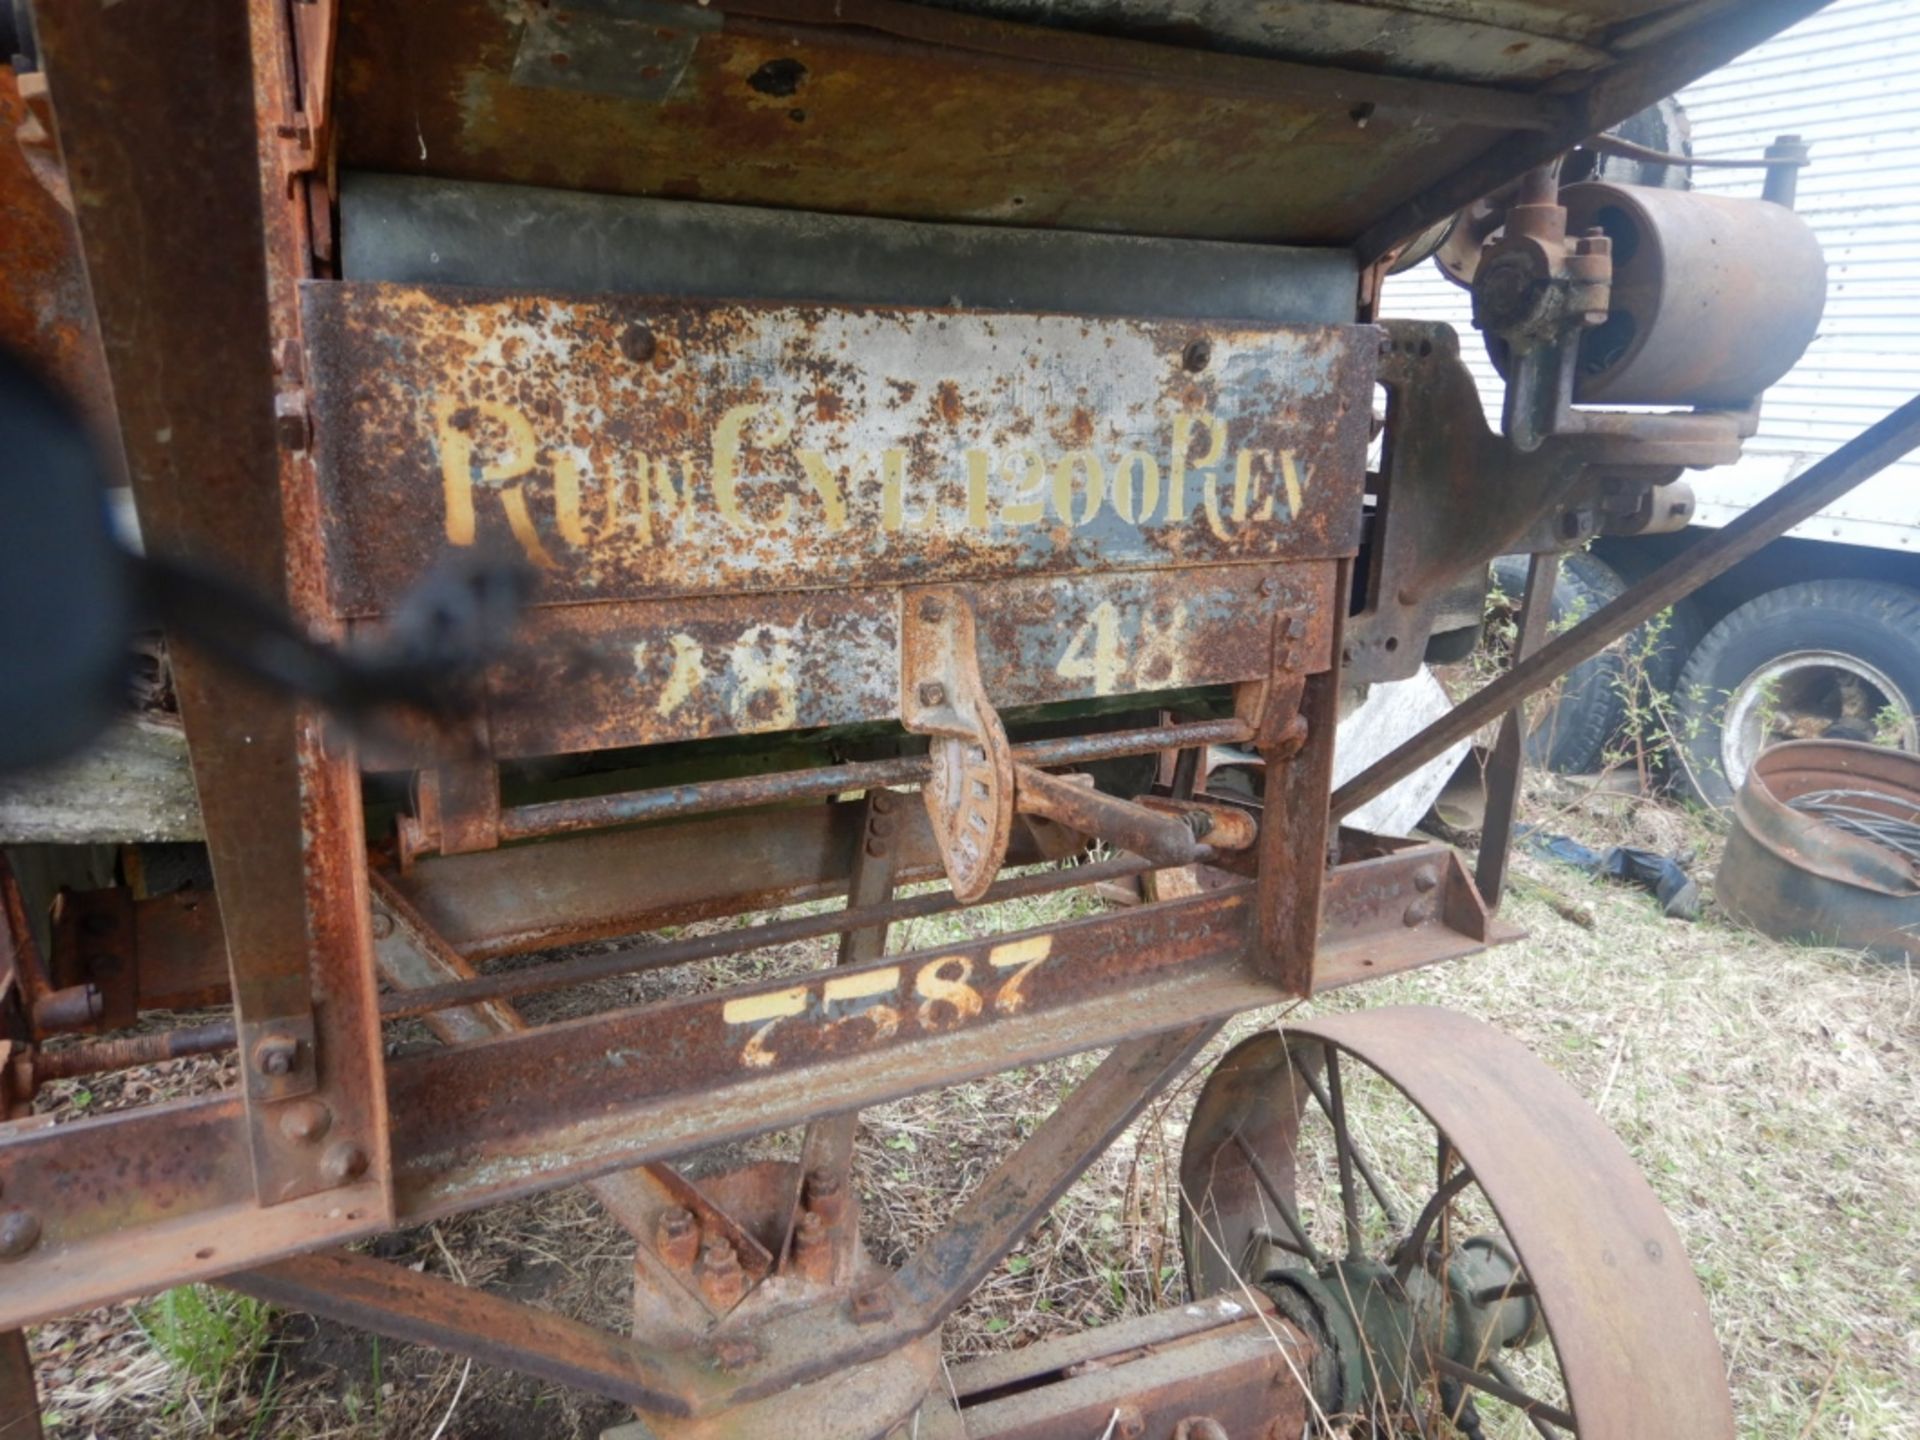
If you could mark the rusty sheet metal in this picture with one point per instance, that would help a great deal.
(46, 311)
(629, 448)
(950, 117)
(588, 677)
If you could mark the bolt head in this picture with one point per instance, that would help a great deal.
(932, 610)
(677, 1221)
(932, 692)
(275, 1055)
(734, 1353)
(19, 1232)
(382, 924)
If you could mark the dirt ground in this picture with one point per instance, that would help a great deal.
(1769, 1092)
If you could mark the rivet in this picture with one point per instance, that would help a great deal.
(19, 1232)
(345, 1161)
(932, 692)
(382, 924)
(932, 610)
(305, 1121)
(1425, 878)
(1418, 913)
(637, 344)
(1269, 586)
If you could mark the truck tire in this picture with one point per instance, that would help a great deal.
(1571, 736)
(1834, 659)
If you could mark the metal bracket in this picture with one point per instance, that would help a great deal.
(969, 796)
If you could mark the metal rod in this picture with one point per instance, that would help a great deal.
(562, 817)
(1286, 1212)
(1499, 1390)
(1409, 1252)
(1506, 767)
(97, 1057)
(1343, 1159)
(1859, 459)
(425, 1000)
(1360, 1161)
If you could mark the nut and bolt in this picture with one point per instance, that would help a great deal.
(813, 1247)
(826, 1195)
(932, 692)
(677, 1237)
(343, 1162)
(276, 1054)
(722, 1280)
(734, 1353)
(19, 1232)
(305, 1121)
(871, 1306)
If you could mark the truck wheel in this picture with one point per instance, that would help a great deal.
(1824, 659)
(1571, 735)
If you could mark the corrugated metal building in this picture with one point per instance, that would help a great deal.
(1844, 80)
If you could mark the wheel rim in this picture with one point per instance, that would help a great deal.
(1803, 696)
(1544, 1286)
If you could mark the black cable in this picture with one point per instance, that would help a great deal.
(1843, 810)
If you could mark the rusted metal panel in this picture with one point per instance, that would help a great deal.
(818, 107)
(639, 673)
(46, 312)
(629, 448)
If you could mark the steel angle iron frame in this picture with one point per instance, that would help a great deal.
(1218, 553)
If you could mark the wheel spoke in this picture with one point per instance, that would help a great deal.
(1343, 1158)
(1360, 1162)
(1280, 1203)
(1409, 1252)
(1500, 1386)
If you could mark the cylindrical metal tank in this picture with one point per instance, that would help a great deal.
(1714, 297)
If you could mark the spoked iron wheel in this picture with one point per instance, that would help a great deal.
(1474, 1250)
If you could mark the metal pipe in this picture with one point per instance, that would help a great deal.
(426, 999)
(565, 817)
(97, 1057)
(1861, 458)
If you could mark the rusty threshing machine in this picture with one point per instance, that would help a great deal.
(931, 431)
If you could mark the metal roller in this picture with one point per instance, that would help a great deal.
(1714, 298)
(448, 232)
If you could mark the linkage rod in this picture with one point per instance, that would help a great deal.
(562, 817)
